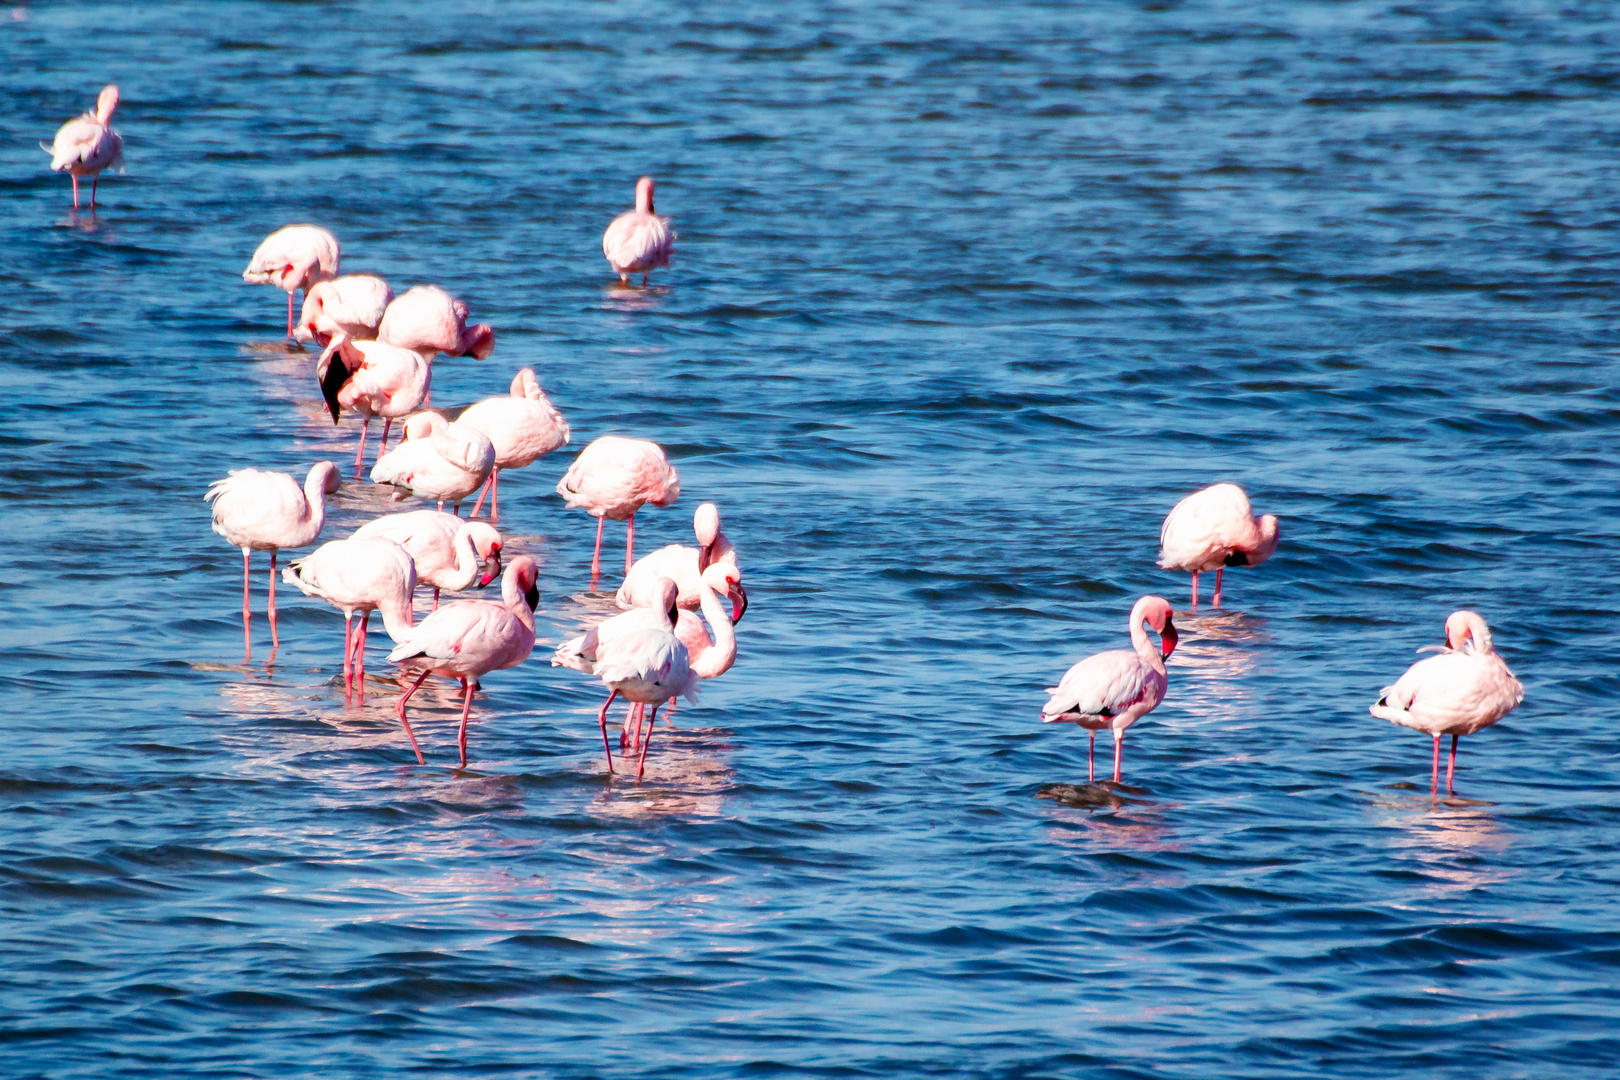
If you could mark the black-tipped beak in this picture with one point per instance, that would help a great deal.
(705, 556)
(332, 377)
(739, 603)
(1168, 638)
(532, 597)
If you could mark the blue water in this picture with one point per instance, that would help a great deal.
(964, 299)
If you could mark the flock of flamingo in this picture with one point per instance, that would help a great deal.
(376, 361)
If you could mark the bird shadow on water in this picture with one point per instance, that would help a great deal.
(1103, 793)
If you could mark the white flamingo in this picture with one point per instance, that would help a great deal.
(87, 144)
(293, 258)
(449, 553)
(1213, 529)
(438, 460)
(639, 241)
(614, 477)
(682, 564)
(359, 576)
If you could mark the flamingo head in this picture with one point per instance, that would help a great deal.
(1268, 540)
(486, 541)
(726, 580)
(327, 476)
(422, 425)
(476, 341)
(105, 104)
(665, 594)
(522, 579)
(1463, 625)
(644, 195)
(314, 305)
(525, 385)
(706, 524)
(1155, 611)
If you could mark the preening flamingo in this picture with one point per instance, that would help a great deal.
(429, 320)
(709, 657)
(266, 511)
(87, 144)
(1213, 529)
(639, 241)
(1117, 688)
(449, 553)
(359, 576)
(438, 460)
(294, 258)
(467, 639)
(614, 477)
(523, 425)
(1466, 688)
(351, 305)
(681, 564)
(373, 379)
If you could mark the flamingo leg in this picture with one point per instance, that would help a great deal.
(669, 710)
(1195, 591)
(360, 454)
(1434, 770)
(435, 598)
(1219, 570)
(388, 422)
(275, 639)
(466, 707)
(289, 316)
(360, 662)
(247, 612)
(629, 542)
(407, 723)
(641, 762)
(479, 505)
(94, 180)
(75, 180)
(348, 651)
(644, 278)
(1451, 766)
(495, 495)
(596, 556)
(1119, 753)
(1091, 758)
(601, 721)
(624, 729)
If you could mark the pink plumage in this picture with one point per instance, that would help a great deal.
(358, 576)
(429, 320)
(438, 460)
(293, 258)
(449, 553)
(351, 305)
(372, 378)
(523, 426)
(1213, 529)
(87, 144)
(614, 477)
(681, 564)
(639, 241)
(1117, 688)
(1465, 689)
(467, 639)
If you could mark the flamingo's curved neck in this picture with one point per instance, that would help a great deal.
(717, 658)
(514, 600)
(1144, 645)
(467, 561)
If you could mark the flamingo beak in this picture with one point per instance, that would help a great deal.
(739, 603)
(1168, 638)
(705, 556)
(531, 596)
(492, 567)
(674, 614)
(332, 373)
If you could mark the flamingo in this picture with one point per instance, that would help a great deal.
(87, 144)
(710, 657)
(639, 241)
(373, 379)
(524, 426)
(449, 553)
(359, 576)
(351, 305)
(1213, 529)
(293, 258)
(467, 639)
(438, 460)
(265, 511)
(1117, 688)
(683, 565)
(429, 320)
(1465, 689)
(614, 477)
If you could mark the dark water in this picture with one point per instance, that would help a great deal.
(964, 300)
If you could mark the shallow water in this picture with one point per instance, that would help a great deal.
(964, 300)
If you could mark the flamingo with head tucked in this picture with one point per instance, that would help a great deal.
(1117, 688)
(373, 379)
(1213, 529)
(1465, 689)
(429, 320)
(614, 477)
(294, 258)
(358, 576)
(438, 460)
(87, 144)
(639, 241)
(681, 564)
(351, 306)
(449, 553)
(266, 511)
(467, 639)
(524, 426)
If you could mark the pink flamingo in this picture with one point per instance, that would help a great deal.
(429, 320)
(87, 144)
(294, 258)
(524, 426)
(614, 477)
(1117, 688)
(438, 460)
(467, 639)
(709, 657)
(449, 553)
(1465, 689)
(372, 379)
(639, 241)
(359, 576)
(266, 511)
(351, 305)
(1213, 529)
(683, 565)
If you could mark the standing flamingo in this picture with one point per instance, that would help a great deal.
(449, 553)
(372, 379)
(266, 511)
(438, 460)
(429, 320)
(1213, 529)
(351, 305)
(681, 564)
(1117, 688)
(87, 144)
(359, 576)
(709, 657)
(467, 639)
(294, 258)
(639, 241)
(1466, 688)
(614, 477)
(524, 426)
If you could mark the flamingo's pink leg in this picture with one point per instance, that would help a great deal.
(289, 315)
(360, 662)
(383, 448)
(669, 709)
(360, 454)
(435, 598)
(1119, 754)
(247, 612)
(596, 556)
(495, 496)
(1451, 765)
(641, 762)
(1195, 591)
(629, 542)
(407, 723)
(348, 650)
(1091, 758)
(1219, 570)
(275, 639)
(1434, 770)
(94, 180)
(479, 505)
(466, 707)
(75, 180)
(601, 721)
